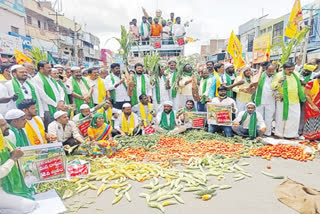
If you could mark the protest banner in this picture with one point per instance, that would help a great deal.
(221, 114)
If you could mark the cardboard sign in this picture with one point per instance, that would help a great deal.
(149, 130)
(50, 167)
(83, 127)
(43, 163)
(221, 114)
(78, 168)
(195, 119)
(181, 41)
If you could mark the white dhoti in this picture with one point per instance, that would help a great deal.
(176, 102)
(267, 112)
(290, 127)
(241, 106)
(12, 204)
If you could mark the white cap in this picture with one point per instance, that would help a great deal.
(247, 67)
(58, 66)
(84, 106)
(1, 117)
(168, 103)
(227, 65)
(15, 67)
(126, 105)
(74, 68)
(59, 114)
(14, 114)
(250, 103)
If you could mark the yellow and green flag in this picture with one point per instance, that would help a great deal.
(295, 20)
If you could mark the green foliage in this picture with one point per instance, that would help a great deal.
(125, 44)
(38, 55)
(152, 64)
(287, 48)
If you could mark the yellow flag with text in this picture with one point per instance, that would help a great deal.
(235, 50)
(21, 58)
(294, 20)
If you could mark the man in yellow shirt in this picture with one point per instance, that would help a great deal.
(290, 93)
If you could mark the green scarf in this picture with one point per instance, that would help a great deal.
(306, 78)
(141, 28)
(94, 120)
(173, 90)
(229, 82)
(49, 92)
(21, 138)
(18, 91)
(164, 121)
(13, 183)
(252, 124)
(259, 90)
(113, 92)
(301, 94)
(189, 74)
(158, 89)
(66, 98)
(134, 99)
(204, 87)
(185, 110)
(77, 90)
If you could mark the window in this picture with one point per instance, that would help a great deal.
(311, 27)
(14, 30)
(263, 31)
(277, 32)
(29, 20)
(269, 28)
(39, 24)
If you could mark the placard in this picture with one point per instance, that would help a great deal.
(83, 127)
(42, 163)
(221, 114)
(78, 168)
(195, 119)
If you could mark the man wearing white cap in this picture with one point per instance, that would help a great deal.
(24, 89)
(60, 68)
(14, 194)
(168, 120)
(84, 112)
(81, 89)
(249, 123)
(17, 121)
(128, 122)
(65, 129)
(49, 91)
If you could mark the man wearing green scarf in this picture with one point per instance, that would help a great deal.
(174, 92)
(24, 89)
(15, 195)
(264, 97)
(185, 84)
(168, 120)
(290, 94)
(17, 121)
(162, 89)
(205, 85)
(84, 112)
(49, 91)
(61, 80)
(81, 89)
(249, 123)
(142, 85)
(144, 30)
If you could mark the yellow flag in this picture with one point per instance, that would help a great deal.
(21, 58)
(294, 20)
(190, 39)
(235, 50)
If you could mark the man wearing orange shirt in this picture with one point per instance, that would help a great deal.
(156, 28)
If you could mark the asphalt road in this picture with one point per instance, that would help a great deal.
(249, 196)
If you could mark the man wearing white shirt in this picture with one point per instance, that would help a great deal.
(264, 99)
(99, 89)
(128, 122)
(161, 91)
(49, 91)
(185, 84)
(168, 120)
(222, 100)
(145, 110)
(204, 88)
(117, 87)
(14, 199)
(6, 101)
(178, 29)
(142, 84)
(20, 85)
(249, 123)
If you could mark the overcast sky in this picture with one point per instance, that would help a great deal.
(212, 18)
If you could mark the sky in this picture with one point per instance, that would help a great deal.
(212, 19)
